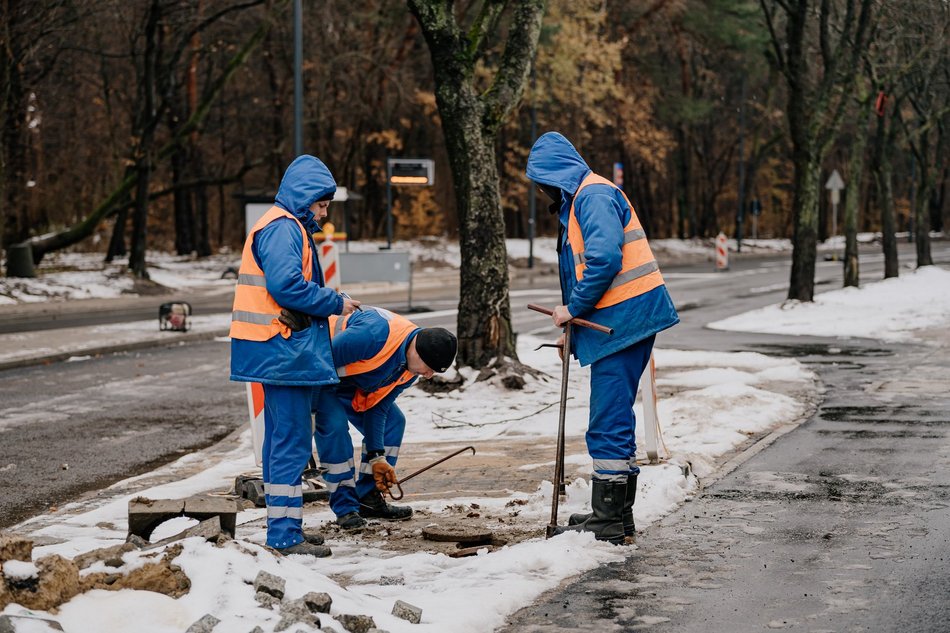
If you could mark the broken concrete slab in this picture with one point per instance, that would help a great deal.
(356, 623)
(146, 514)
(406, 611)
(205, 625)
(269, 583)
(296, 612)
(205, 507)
(317, 602)
(209, 530)
(266, 600)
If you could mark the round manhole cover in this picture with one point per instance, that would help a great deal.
(456, 534)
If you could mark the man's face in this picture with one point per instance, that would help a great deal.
(544, 194)
(415, 365)
(319, 209)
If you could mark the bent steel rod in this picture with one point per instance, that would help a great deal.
(422, 470)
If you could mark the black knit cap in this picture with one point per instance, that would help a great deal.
(436, 347)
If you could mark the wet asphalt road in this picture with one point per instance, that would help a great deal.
(840, 525)
(71, 427)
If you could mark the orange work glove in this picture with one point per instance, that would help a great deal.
(383, 474)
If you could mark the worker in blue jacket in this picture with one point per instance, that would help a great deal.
(279, 270)
(378, 354)
(609, 276)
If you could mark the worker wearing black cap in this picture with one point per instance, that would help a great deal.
(377, 354)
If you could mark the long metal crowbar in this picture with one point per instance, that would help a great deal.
(422, 470)
(565, 366)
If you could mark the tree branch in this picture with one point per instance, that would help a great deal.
(520, 49)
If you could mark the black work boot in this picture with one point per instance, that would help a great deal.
(314, 538)
(606, 521)
(351, 521)
(373, 506)
(629, 528)
(307, 549)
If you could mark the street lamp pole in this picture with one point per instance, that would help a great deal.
(298, 77)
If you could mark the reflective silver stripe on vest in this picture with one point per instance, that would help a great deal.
(280, 512)
(246, 279)
(283, 490)
(339, 326)
(628, 236)
(257, 318)
(612, 464)
(635, 273)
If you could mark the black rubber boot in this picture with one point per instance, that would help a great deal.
(373, 506)
(351, 521)
(307, 549)
(629, 528)
(606, 521)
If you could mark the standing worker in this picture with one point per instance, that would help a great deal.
(378, 354)
(608, 276)
(279, 269)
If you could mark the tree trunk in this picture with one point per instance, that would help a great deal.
(804, 247)
(200, 199)
(884, 182)
(852, 276)
(13, 103)
(922, 212)
(471, 119)
(184, 215)
(117, 242)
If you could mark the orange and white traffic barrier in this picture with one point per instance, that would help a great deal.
(328, 253)
(255, 410)
(722, 253)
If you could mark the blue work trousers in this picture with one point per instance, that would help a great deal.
(332, 415)
(611, 438)
(286, 451)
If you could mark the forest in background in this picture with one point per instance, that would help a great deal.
(153, 117)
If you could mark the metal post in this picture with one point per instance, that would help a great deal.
(532, 194)
(298, 77)
(346, 225)
(389, 204)
(740, 218)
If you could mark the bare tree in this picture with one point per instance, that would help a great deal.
(817, 100)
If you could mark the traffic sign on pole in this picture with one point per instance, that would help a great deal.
(835, 184)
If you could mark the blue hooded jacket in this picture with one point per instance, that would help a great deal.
(365, 335)
(602, 214)
(305, 358)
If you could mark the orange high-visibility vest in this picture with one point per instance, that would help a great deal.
(399, 329)
(254, 316)
(639, 273)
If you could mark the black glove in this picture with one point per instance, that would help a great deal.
(293, 319)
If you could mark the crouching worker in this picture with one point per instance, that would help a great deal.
(377, 355)
(279, 269)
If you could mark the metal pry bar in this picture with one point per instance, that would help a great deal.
(422, 470)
